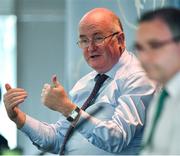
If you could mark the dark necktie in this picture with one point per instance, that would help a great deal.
(159, 109)
(99, 81)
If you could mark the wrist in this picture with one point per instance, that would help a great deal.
(20, 120)
(68, 109)
(74, 114)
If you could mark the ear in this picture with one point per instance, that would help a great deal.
(121, 40)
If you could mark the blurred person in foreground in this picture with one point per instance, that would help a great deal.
(113, 121)
(158, 47)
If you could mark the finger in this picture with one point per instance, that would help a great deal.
(15, 94)
(10, 107)
(7, 86)
(46, 89)
(14, 91)
(55, 81)
(46, 85)
(44, 92)
(12, 113)
(14, 99)
(9, 99)
(17, 102)
(42, 99)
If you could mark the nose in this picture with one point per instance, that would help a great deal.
(92, 46)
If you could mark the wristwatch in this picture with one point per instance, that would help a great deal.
(74, 114)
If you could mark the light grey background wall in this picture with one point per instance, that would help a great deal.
(46, 45)
(41, 52)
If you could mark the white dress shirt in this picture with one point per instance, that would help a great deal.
(166, 138)
(112, 125)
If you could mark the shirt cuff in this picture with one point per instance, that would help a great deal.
(86, 123)
(31, 126)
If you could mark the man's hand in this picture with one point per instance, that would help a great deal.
(55, 98)
(12, 99)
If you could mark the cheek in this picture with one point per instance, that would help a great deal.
(170, 61)
(85, 54)
(145, 58)
(109, 52)
(167, 58)
(158, 65)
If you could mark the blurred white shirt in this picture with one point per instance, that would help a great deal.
(166, 138)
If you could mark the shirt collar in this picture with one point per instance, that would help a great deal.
(112, 72)
(172, 87)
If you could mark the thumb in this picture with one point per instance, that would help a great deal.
(7, 86)
(55, 81)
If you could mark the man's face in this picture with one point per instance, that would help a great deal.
(100, 57)
(158, 53)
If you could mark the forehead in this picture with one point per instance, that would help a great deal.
(95, 23)
(152, 30)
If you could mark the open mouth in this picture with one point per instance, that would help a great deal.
(94, 56)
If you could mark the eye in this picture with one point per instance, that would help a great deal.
(156, 45)
(98, 38)
(138, 47)
(84, 41)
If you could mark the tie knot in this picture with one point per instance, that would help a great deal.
(100, 77)
(163, 94)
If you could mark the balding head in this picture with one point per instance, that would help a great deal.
(101, 33)
(104, 15)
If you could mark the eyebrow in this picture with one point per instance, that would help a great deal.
(96, 33)
(81, 36)
(136, 44)
(149, 42)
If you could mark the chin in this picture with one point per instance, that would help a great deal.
(153, 77)
(99, 70)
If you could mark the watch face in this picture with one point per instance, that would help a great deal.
(73, 115)
(70, 119)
